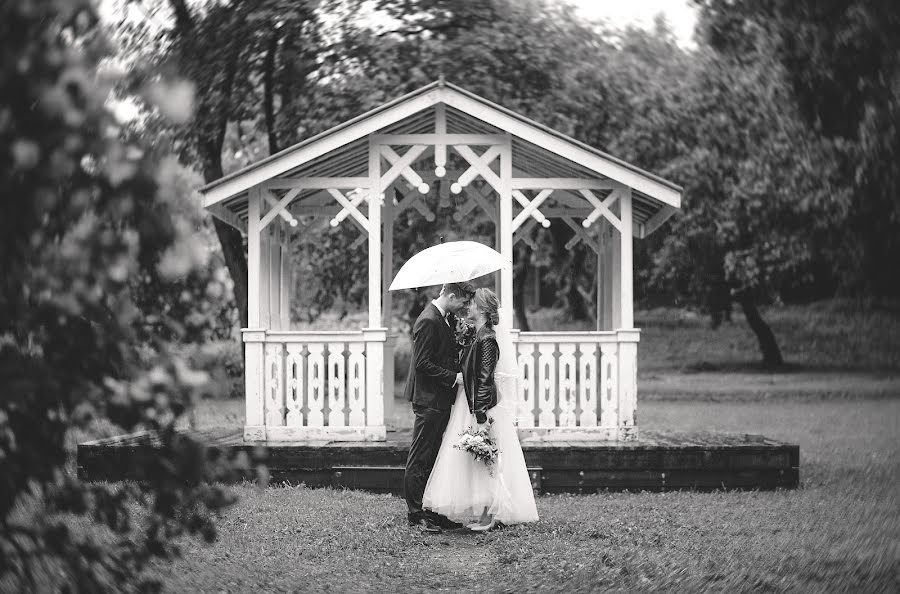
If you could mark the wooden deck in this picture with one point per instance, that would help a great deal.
(657, 461)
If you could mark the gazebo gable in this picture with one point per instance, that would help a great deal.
(543, 160)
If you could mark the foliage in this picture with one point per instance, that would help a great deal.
(85, 214)
(841, 59)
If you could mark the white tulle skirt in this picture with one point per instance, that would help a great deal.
(461, 487)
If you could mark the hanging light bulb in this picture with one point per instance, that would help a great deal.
(423, 188)
(545, 223)
(455, 188)
(293, 222)
(440, 171)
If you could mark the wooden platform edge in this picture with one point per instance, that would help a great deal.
(577, 469)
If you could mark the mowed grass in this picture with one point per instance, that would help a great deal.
(839, 532)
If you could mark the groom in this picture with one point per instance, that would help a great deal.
(431, 387)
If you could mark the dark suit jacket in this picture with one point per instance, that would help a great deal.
(478, 364)
(433, 365)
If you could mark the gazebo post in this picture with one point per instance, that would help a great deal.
(287, 277)
(504, 223)
(254, 337)
(627, 337)
(387, 260)
(375, 334)
(626, 295)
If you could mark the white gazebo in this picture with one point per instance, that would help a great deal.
(409, 153)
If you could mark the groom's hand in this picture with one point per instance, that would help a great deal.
(459, 380)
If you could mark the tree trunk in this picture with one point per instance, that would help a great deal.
(767, 343)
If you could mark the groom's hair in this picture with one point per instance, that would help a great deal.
(461, 290)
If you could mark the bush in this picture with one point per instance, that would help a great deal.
(223, 361)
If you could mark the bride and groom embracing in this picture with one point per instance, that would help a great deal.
(461, 387)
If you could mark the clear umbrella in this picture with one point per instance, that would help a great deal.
(451, 262)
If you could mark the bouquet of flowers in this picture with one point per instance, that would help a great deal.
(480, 444)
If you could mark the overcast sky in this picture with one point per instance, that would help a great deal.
(620, 13)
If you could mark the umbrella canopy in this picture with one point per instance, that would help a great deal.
(451, 262)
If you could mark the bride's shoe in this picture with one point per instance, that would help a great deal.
(485, 527)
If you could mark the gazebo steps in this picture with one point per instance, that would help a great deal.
(656, 461)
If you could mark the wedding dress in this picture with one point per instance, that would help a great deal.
(461, 487)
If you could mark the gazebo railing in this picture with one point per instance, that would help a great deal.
(577, 385)
(316, 385)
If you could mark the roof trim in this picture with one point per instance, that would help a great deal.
(440, 92)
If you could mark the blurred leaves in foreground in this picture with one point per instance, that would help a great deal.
(94, 245)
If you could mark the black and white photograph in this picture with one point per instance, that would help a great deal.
(516, 296)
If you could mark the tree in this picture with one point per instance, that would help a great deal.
(85, 218)
(841, 60)
(759, 192)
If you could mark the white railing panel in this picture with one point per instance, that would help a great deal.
(315, 385)
(577, 384)
(588, 385)
(567, 385)
(525, 407)
(337, 386)
(356, 384)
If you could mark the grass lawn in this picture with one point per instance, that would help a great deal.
(839, 532)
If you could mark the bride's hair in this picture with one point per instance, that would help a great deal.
(487, 302)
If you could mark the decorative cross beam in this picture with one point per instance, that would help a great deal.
(530, 209)
(279, 208)
(601, 208)
(581, 235)
(351, 208)
(405, 170)
(401, 165)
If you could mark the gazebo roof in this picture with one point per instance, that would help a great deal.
(537, 152)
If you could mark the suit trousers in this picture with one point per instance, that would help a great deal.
(428, 431)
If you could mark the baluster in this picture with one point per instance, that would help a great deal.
(315, 385)
(274, 384)
(608, 385)
(293, 364)
(567, 384)
(356, 383)
(337, 382)
(525, 404)
(588, 384)
(546, 385)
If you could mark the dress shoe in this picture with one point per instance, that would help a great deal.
(426, 526)
(446, 523)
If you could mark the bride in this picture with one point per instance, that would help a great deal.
(460, 487)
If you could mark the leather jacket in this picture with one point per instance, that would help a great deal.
(479, 361)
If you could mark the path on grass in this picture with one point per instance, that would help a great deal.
(743, 386)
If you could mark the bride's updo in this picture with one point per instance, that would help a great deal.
(487, 302)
